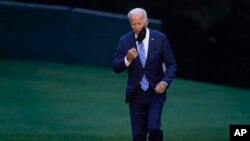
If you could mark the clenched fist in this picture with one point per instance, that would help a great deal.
(132, 54)
(160, 87)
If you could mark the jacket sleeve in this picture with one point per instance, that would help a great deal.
(119, 63)
(169, 60)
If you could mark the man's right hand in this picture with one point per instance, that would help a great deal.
(132, 54)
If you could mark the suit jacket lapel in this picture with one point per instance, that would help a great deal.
(133, 44)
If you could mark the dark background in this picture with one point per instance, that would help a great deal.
(210, 38)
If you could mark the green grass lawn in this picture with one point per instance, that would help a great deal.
(45, 101)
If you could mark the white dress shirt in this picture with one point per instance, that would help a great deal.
(145, 43)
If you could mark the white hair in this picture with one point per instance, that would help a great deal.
(136, 11)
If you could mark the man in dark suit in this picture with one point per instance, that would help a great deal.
(149, 59)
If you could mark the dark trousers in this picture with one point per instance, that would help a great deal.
(145, 113)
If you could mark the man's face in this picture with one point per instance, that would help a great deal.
(137, 22)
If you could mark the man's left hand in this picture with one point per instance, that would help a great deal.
(160, 87)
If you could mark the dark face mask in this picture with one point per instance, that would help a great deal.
(141, 35)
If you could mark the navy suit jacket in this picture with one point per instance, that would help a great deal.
(159, 51)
